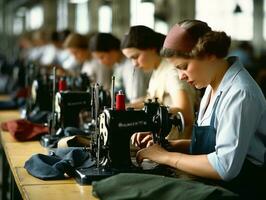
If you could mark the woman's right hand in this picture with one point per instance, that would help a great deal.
(142, 139)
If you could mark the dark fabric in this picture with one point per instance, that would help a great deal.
(203, 139)
(128, 186)
(250, 183)
(70, 131)
(61, 162)
(12, 104)
(24, 130)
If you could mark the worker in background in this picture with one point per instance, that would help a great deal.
(106, 48)
(228, 142)
(142, 45)
(78, 45)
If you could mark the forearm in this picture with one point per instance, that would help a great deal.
(181, 146)
(197, 165)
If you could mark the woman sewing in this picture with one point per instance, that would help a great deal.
(142, 45)
(228, 140)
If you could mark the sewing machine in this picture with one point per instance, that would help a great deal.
(68, 106)
(41, 93)
(74, 109)
(111, 147)
(42, 86)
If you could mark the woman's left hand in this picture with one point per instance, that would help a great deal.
(154, 153)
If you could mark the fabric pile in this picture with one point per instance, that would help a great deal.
(24, 130)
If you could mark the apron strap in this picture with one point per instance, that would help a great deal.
(214, 108)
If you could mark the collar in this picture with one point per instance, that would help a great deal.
(231, 73)
(226, 83)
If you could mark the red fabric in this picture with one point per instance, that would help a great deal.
(23, 130)
(22, 92)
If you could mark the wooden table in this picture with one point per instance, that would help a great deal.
(17, 153)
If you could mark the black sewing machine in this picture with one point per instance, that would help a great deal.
(42, 88)
(41, 93)
(74, 112)
(111, 147)
(68, 106)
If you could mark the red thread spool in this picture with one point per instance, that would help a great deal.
(120, 101)
(62, 86)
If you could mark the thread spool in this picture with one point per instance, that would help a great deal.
(62, 86)
(120, 101)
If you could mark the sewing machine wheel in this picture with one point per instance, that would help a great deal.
(179, 122)
(34, 89)
(57, 105)
(102, 140)
(103, 129)
(164, 122)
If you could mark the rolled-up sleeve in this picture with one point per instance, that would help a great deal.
(236, 122)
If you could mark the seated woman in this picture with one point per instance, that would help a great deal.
(228, 141)
(105, 47)
(142, 45)
(78, 46)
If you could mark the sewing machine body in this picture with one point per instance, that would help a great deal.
(112, 148)
(69, 105)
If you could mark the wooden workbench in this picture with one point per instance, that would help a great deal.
(16, 153)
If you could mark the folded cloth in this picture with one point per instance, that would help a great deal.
(146, 186)
(56, 166)
(74, 141)
(24, 130)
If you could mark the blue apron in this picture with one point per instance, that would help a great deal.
(203, 139)
(251, 180)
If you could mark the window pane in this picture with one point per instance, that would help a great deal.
(220, 15)
(18, 25)
(264, 19)
(105, 19)
(62, 15)
(161, 26)
(35, 18)
(142, 13)
(82, 18)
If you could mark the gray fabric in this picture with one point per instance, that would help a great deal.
(128, 186)
(54, 167)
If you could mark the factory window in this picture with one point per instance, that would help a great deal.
(264, 20)
(34, 18)
(18, 21)
(82, 18)
(233, 17)
(18, 25)
(105, 19)
(161, 26)
(62, 15)
(142, 13)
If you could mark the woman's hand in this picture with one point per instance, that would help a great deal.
(154, 153)
(142, 139)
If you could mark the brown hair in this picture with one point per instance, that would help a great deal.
(142, 37)
(104, 42)
(76, 40)
(203, 41)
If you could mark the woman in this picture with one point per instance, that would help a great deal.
(228, 142)
(142, 45)
(105, 47)
(78, 46)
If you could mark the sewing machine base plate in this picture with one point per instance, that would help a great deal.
(87, 175)
(49, 140)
